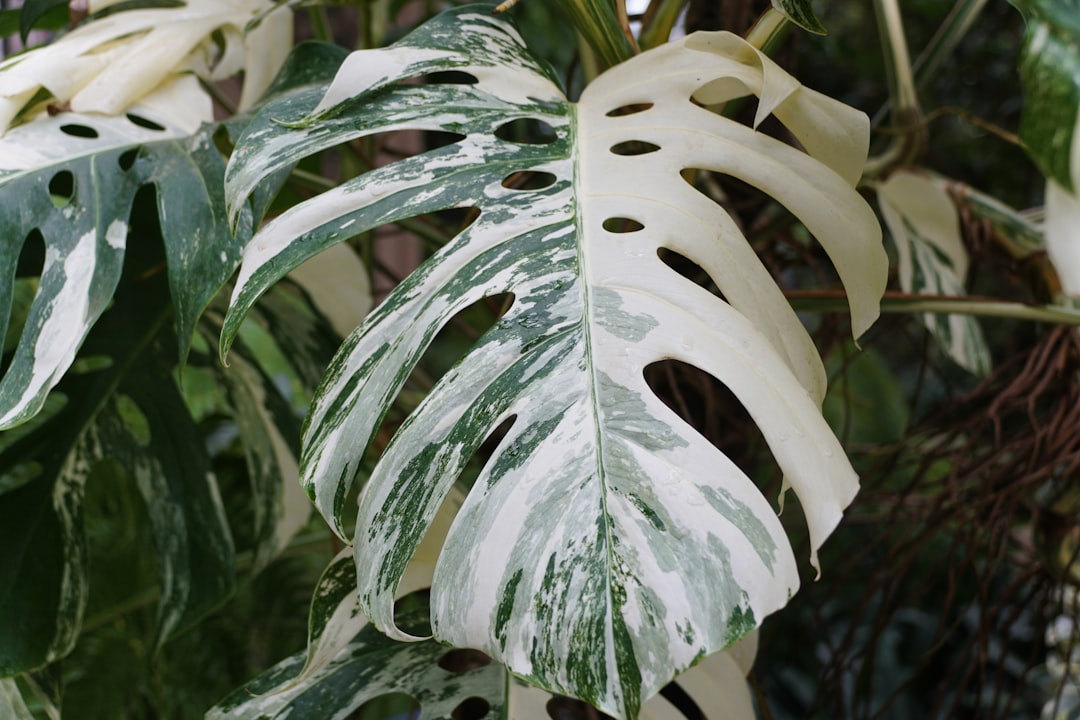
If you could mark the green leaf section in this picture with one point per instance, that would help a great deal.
(800, 12)
(598, 23)
(1050, 72)
(33, 11)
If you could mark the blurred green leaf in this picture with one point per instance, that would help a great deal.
(1050, 70)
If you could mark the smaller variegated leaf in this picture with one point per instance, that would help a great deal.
(925, 227)
(72, 179)
(369, 667)
(109, 63)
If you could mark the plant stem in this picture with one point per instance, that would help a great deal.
(952, 30)
(769, 29)
(910, 304)
(905, 112)
(320, 24)
(659, 21)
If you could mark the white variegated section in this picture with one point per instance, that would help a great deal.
(1063, 234)
(108, 64)
(925, 226)
(694, 226)
(1063, 223)
(67, 319)
(179, 106)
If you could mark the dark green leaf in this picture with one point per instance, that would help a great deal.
(800, 12)
(1050, 71)
(34, 10)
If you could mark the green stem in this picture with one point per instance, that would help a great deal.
(953, 29)
(320, 24)
(768, 30)
(898, 73)
(906, 304)
(660, 21)
(904, 102)
(598, 22)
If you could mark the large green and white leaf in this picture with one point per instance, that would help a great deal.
(606, 545)
(925, 226)
(72, 179)
(1050, 125)
(128, 410)
(109, 63)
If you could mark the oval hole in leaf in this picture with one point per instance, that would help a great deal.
(674, 694)
(462, 660)
(451, 77)
(728, 97)
(83, 131)
(689, 270)
(710, 407)
(564, 708)
(127, 159)
(32, 256)
(390, 705)
(62, 188)
(634, 147)
(433, 140)
(144, 123)
(631, 109)
(472, 708)
(526, 131)
(622, 225)
(411, 613)
(528, 180)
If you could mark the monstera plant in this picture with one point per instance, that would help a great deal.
(537, 521)
(606, 545)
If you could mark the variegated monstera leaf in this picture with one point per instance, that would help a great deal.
(606, 544)
(111, 61)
